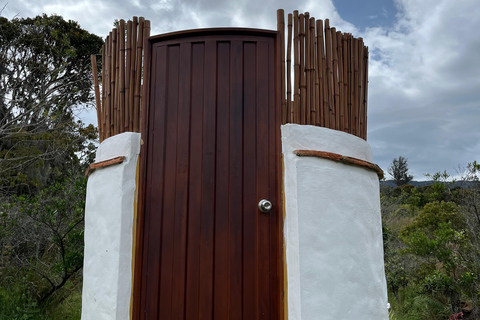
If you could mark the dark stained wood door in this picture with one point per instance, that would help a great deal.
(212, 153)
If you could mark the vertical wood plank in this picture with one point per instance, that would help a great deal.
(194, 240)
(222, 234)
(265, 78)
(168, 225)
(182, 181)
(207, 252)
(155, 185)
(235, 204)
(250, 290)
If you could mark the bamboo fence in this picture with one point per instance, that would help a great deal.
(119, 98)
(330, 75)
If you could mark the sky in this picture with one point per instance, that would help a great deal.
(424, 68)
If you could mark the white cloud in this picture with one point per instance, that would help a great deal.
(424, 88)
(424, 85)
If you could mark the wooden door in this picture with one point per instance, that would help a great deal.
(211, 154)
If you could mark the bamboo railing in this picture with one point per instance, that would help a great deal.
(118, 105)
(330, 75)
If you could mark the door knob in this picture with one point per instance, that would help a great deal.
(265, 206)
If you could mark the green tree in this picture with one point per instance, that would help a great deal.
(45, 78)
(399, 171)
(44, 235)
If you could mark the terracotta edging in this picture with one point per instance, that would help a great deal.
(102, 164)
(342, 159)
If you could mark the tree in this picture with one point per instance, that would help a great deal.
(45, 78)
(43, 235)
(399, 171)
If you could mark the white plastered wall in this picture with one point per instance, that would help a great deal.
(109, 214)
(333, 231)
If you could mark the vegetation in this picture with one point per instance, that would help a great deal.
(432, 248)
(431, 234)
(45, 78)
(399, 171)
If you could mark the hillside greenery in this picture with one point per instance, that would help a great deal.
(432, 248)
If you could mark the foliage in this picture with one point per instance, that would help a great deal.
(44, 77)
(44, 236)
(432, 248)
(399, 171)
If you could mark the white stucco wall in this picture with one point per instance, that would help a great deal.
(333, 232)
(109, 213)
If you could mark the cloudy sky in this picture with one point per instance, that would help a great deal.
(424, 73)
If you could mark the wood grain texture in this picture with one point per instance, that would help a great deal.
(208, 252)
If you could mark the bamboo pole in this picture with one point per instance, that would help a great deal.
(138, 75)
(101, 126)
(146, 34)
(336, 95)
(116, 112)
(281, 31)
(128, 72)
(93, 59)
(296, 73)
(313, 106)
(355, 86)
(319, 76)
(111, 83)
(289, 71)
(121, 107)
(340, 82)
(307, 68)
(133, 72)
(351, 89)
(115, 82)
(330, 84)
(324, 119)
(345, 82)
(360, 86)
(303, 88)
(365, 97)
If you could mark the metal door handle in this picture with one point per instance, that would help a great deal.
(265, 206)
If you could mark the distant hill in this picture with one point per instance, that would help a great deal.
(462, 184)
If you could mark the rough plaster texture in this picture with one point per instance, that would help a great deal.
(109, 212)
(333, 231)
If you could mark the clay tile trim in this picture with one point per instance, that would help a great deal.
(342, 159)
(102, 164)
